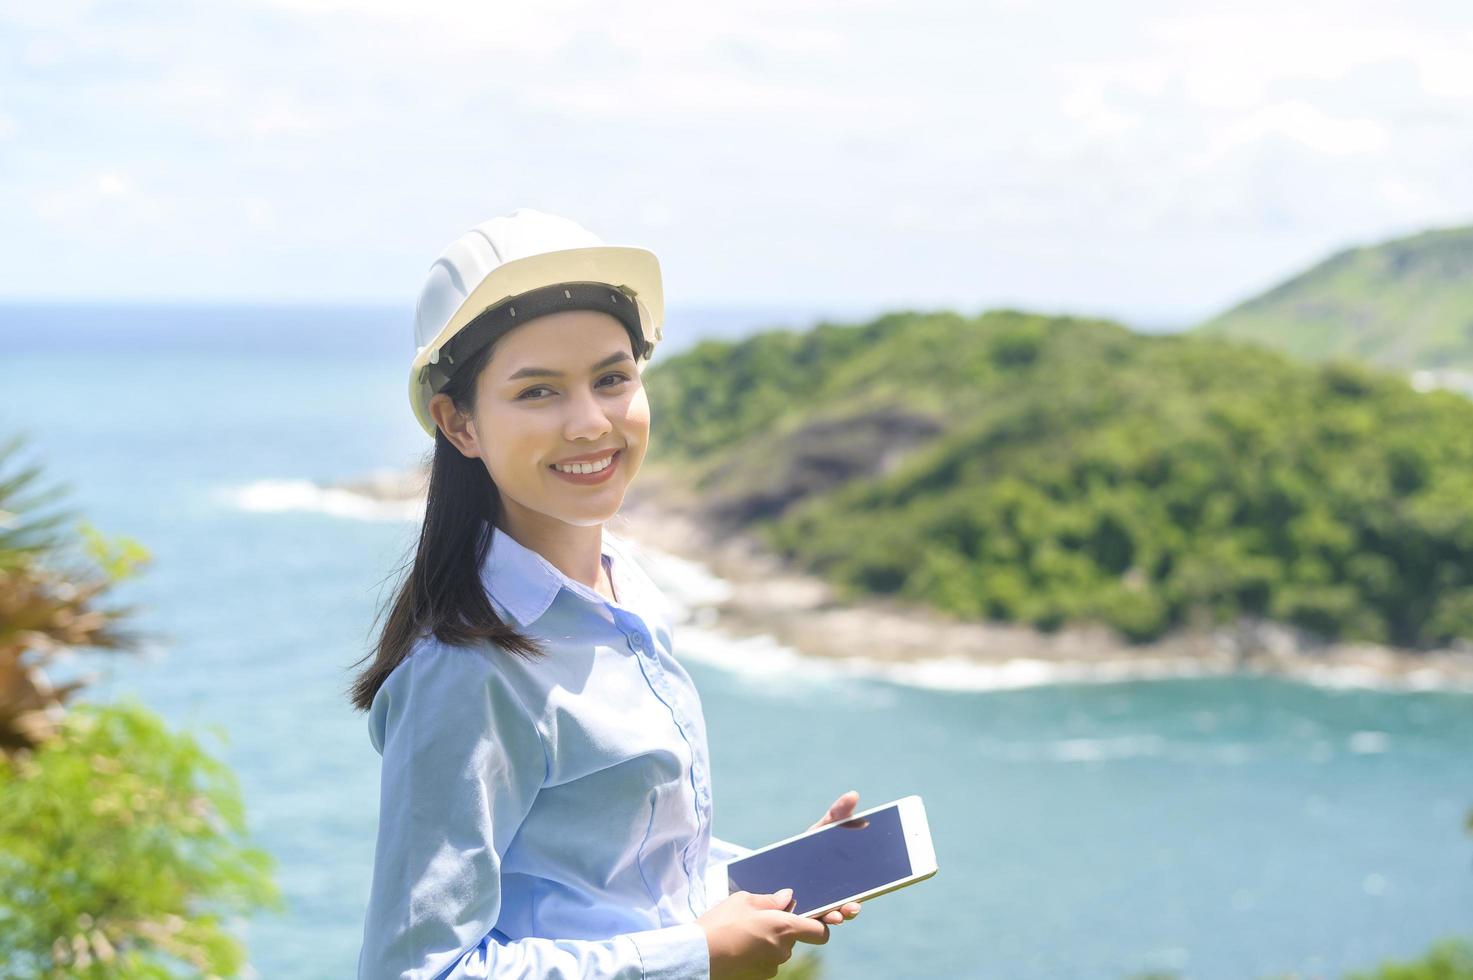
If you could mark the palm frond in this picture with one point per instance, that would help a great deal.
(31, 519)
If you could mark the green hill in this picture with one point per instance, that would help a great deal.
(1404, 304)
(1050, 470)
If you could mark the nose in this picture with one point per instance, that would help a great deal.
(587, 419)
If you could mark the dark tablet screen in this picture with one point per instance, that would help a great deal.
(846, 859)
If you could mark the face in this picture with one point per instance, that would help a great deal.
(561, 385)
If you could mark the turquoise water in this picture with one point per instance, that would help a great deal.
(1225, 829)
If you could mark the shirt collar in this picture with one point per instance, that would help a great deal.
(525, 584)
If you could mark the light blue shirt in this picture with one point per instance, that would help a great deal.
(548, 817)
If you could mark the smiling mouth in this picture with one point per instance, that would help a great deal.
(588, 468)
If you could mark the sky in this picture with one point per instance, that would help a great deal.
(1152, 161)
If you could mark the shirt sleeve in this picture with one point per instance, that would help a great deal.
(462, 764)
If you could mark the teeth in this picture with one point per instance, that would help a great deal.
(593, 467)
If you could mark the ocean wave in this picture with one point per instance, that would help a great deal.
(1100, 749)
(764, 656)
(1355, 676)
(1368, 743)
(277, 496)
(689, 585)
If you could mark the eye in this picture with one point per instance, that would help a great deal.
(532, 392)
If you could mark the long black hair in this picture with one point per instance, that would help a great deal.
(443, 593)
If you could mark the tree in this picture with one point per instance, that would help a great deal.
(122, 845)
(50, 603)
(121, 853)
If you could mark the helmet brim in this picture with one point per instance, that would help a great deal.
(634, 270)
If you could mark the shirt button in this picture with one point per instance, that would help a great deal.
(636, 642)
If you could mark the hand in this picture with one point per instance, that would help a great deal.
(749, 936)
(840, 811)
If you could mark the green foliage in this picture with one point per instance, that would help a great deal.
(52, 587)
(118, 556)
(1451, 959)
(1402, 304)
(122, 853)
(1087, 473)
(30, 520)
(803, 966)
(35, 526)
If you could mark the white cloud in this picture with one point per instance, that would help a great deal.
(1229, 58)
(1298, 121)
(283, 112)
(259, 212)
(105, 200)
(40, 54)
(783, 151)
(1446, 65)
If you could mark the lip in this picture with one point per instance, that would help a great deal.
(588, 457)
(590, 479)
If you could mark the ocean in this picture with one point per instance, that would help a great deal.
(1220, 829)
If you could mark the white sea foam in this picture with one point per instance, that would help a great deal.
(1107, 748)
(1098, 749)
(1369, 743)
(275, 496)
(1354, 676)
(688, 585)
(763, 656)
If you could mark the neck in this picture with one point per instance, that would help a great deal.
(573, 550)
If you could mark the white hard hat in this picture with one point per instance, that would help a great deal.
(503, 272)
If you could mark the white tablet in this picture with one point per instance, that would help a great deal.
(873, 852)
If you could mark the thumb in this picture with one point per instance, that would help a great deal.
(780, 898)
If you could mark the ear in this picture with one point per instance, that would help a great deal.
(458, 427)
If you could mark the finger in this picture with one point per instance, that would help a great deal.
(777, 900)
(807, 930)
(839, 809)
(841, 914)
(844, 805)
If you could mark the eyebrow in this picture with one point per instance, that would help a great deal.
(537, 372)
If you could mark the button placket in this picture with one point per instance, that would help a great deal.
(669, 690)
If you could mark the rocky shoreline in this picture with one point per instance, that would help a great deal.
(800, 611)
(763, 597)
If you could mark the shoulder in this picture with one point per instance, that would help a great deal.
(451, 682)
(429, 655)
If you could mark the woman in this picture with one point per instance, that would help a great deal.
(545, 804)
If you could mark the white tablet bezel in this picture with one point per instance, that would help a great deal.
(918, 844)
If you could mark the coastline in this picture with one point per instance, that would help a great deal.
(755, 596)
(763, 597)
